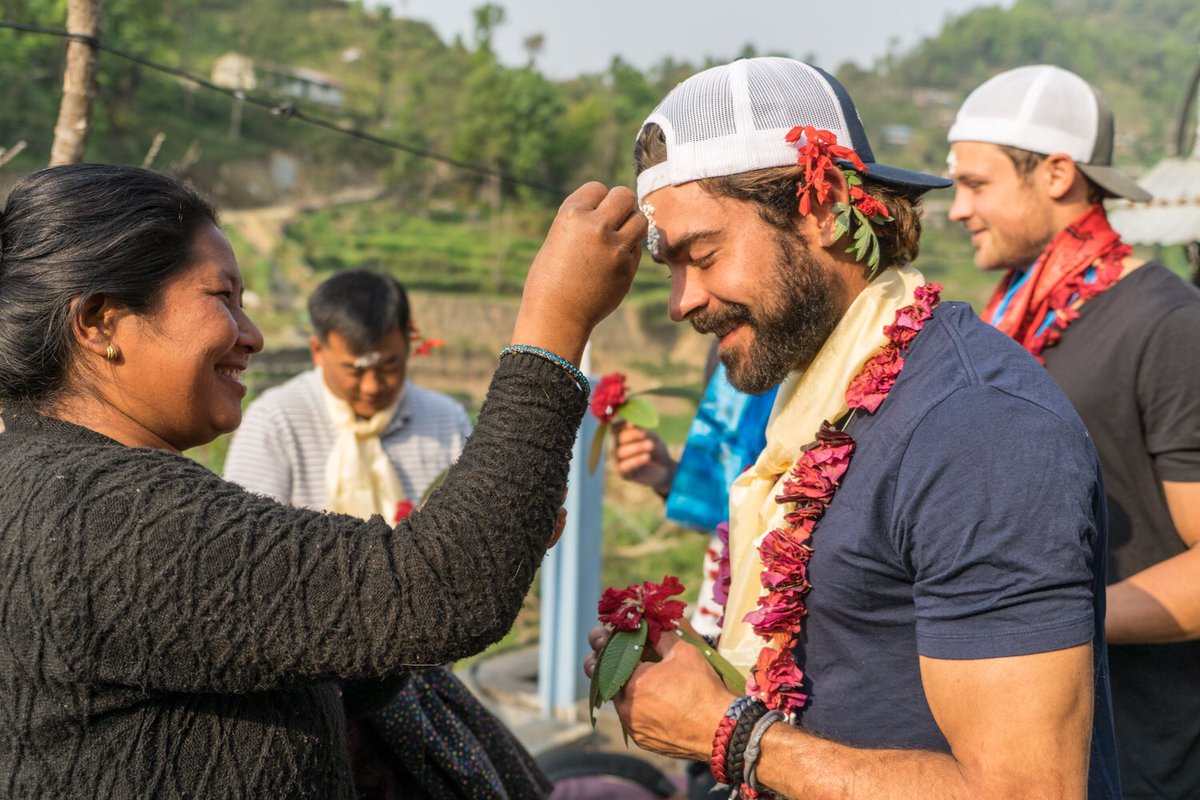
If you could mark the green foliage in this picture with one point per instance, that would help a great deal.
(639, 411)
(405, 83)
(480, 255)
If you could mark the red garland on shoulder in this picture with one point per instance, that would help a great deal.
(811, 484)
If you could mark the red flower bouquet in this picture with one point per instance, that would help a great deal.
(611, 399)
(639, 615)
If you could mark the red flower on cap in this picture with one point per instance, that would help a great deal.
(867, 204)
(816, 155)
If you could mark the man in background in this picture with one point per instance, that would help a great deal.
(352, 434)
(1031, 153)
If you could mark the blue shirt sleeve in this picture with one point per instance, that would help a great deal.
(998, 515)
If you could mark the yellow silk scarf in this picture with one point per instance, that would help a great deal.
(805, 400)
(359, 477)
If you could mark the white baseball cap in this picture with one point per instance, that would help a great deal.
(1046, 109)
(734, 118)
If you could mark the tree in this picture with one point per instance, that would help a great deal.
(79, 84)
(488, 17)
(534, 44)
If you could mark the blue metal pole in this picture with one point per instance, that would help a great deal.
(570, 587)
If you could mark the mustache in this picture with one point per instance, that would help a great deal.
(713, 321)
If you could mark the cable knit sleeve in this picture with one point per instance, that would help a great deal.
(161, 575)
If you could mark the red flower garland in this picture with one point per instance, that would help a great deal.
(811, 485)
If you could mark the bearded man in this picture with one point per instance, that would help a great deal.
(916, 557)
(1031, 152)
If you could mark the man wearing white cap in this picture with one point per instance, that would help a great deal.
(916, 571)
(1031, 152)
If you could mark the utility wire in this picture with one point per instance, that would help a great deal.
(289, 110)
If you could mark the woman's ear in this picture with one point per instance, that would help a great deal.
(95, 326)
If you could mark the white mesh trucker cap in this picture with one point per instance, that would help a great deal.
(1046, 109)
(733, 118)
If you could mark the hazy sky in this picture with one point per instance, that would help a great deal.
(584, 35)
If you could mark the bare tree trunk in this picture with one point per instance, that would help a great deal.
(79, 84)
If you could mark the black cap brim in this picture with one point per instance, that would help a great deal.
(906, 178)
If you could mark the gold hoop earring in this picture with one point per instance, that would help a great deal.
(110, 353)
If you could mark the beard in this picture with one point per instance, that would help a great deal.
(798, 314)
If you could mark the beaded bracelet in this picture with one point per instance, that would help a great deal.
(580, 380)
(723, 739)
(754, 747)
(740, 738)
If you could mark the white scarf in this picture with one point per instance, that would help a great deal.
(359, 477)
(805, 400)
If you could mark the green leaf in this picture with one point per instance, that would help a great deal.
(619, 659)
(597, 447)
(730, 676)
(594, 700)
(672, 391)
(640, 412)
(852, 178)
(839, 228)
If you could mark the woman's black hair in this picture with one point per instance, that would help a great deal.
(72, 233)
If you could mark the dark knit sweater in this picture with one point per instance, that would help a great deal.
(167, 634)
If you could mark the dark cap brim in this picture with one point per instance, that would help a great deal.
(906, 178)
(1115, 183)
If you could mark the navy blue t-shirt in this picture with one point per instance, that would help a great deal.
(969, 525)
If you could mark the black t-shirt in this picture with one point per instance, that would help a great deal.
(1131, 366)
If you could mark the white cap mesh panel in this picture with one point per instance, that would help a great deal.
(1043, 109)
(734, 118)
(779, 110)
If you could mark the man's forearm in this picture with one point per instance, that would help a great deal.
(797, 764)
(1157, 605)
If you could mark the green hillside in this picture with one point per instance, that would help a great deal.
(442, 229)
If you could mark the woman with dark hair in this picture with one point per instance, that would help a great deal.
(165, 633)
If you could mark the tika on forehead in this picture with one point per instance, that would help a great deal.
(368, 360)
(652, 235)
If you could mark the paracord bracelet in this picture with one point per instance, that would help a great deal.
(735, 757)
(721, 740)
(580, 379)
(720, 749)
(754, 747)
